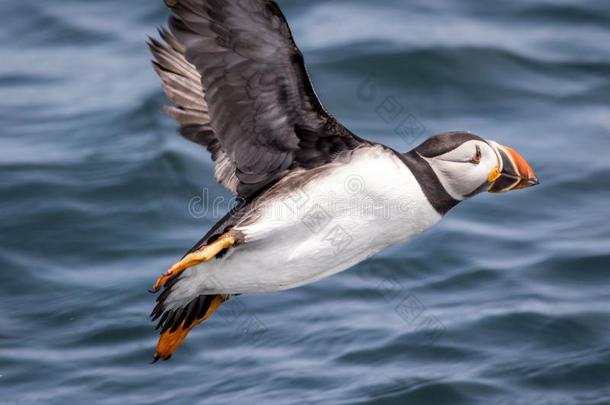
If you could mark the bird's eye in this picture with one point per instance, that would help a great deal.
(476, 159)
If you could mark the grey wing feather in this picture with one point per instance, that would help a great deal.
(182, 85)
(241, 89)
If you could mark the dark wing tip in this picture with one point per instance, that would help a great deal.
(154, 46)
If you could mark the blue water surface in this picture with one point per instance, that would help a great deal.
(506, 301)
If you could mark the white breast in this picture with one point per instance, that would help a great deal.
(339, 218)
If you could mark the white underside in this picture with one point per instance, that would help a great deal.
(330, 224)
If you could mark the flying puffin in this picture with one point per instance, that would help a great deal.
(314, 198)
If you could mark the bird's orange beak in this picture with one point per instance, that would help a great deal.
(512, 173)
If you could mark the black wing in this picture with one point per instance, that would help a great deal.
(257, 111)
(182, 84)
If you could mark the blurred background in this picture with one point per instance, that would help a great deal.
(507, 301)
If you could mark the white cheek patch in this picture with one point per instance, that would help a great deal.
(457, 174)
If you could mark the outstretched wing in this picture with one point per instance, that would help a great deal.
(182, 85)
(254, 107)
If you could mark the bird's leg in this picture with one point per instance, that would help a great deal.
(204, 254)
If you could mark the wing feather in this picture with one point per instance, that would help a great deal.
(182, 85)
(260, 104)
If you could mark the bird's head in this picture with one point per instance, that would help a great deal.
(467, 164)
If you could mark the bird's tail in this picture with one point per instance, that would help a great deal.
(196, 312)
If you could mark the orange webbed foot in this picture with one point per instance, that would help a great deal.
(202, 255)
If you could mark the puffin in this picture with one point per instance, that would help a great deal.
(313, 198)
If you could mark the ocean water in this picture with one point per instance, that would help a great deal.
(506, 301)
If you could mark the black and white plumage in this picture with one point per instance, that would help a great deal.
(243, 55)
(241, 89)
